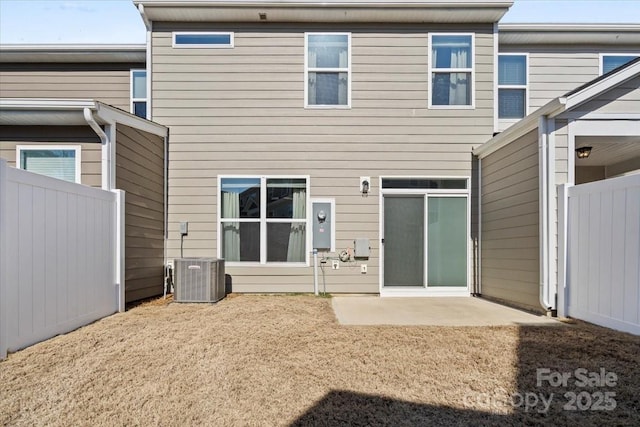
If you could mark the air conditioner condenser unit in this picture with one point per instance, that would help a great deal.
(199, 280)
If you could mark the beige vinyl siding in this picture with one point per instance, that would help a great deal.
(510, 218)
(556, 70)
(103, 82)
(90, 148)
(140, 173)
(624, 99)
(241, 111)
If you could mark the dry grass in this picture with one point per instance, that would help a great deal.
(269, 360)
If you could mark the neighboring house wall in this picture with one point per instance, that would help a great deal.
(556, 70)
(510, 223)
(241, 111)
(104, 82)
(90, 151)
(140, 173)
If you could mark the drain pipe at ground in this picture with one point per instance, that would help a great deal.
(315, 272)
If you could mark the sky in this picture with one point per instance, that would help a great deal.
(118, 21)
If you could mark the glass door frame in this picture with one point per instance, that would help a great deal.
(425, 290)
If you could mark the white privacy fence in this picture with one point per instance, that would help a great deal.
(599, 252)
(60, 256)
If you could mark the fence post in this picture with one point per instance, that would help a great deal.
(119, 249)
(563, 228)
(3, 260)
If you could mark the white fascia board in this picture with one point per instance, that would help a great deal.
(314, 3)
(46, 104)
(520, 129)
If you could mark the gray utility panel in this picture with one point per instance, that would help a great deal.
(322, 225)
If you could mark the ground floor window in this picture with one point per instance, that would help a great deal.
(263, 219)
(62, 162)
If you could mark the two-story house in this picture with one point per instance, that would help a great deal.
(401, 139)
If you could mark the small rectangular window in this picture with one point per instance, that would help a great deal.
(328, 70)
(139, 93)
(512, 86)
(61, 162)
(611, 62)
(424, 183)
(451, 70)
(203, 40)
(263, 220)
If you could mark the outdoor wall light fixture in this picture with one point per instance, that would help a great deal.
(583, 152)
(364, 185)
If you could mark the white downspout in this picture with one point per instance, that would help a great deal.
(479, 284)
(543, 210)
(106, 148)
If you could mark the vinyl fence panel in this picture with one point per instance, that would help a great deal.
(58, 257)
(602, 283)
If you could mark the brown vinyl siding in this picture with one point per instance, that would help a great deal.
(241, 111)
(108, 83)
(90, 147)
(510, 218)
(140, 173)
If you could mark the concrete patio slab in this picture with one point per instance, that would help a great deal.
(436, 311)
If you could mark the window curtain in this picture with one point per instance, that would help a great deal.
(327, 88)
(297, 236)
(231, 229)
(459, 83)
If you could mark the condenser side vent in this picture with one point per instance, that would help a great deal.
(199, 280)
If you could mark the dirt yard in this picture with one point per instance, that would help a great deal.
(284, 360)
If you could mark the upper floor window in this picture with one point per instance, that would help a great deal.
(139, 93)
(512, 86)
(609, 62)
(451, 70)
(328, 69)
(263, 219)
(203, 39)
(62, 162)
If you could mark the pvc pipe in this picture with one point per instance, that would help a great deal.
(315, 272)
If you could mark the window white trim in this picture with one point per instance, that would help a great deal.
(326, 70)
(471, 70)
(76, 148)
(525, 87)
(229, 45)
(263, 221)
(601, 57)
(133, 100)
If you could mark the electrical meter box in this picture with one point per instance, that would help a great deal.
(322, 215)
(361, 248)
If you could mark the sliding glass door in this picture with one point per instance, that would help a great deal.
(425, 237)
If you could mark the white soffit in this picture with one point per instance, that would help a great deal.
(354, 11)
(572, 34)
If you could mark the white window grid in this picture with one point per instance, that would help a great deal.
(524, 86)
(308, 69)
(471, 70)
(263, 220)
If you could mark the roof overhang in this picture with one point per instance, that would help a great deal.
(569, 34)
(327, 11)
(73, 53)
(69, 112)
(571, 101)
